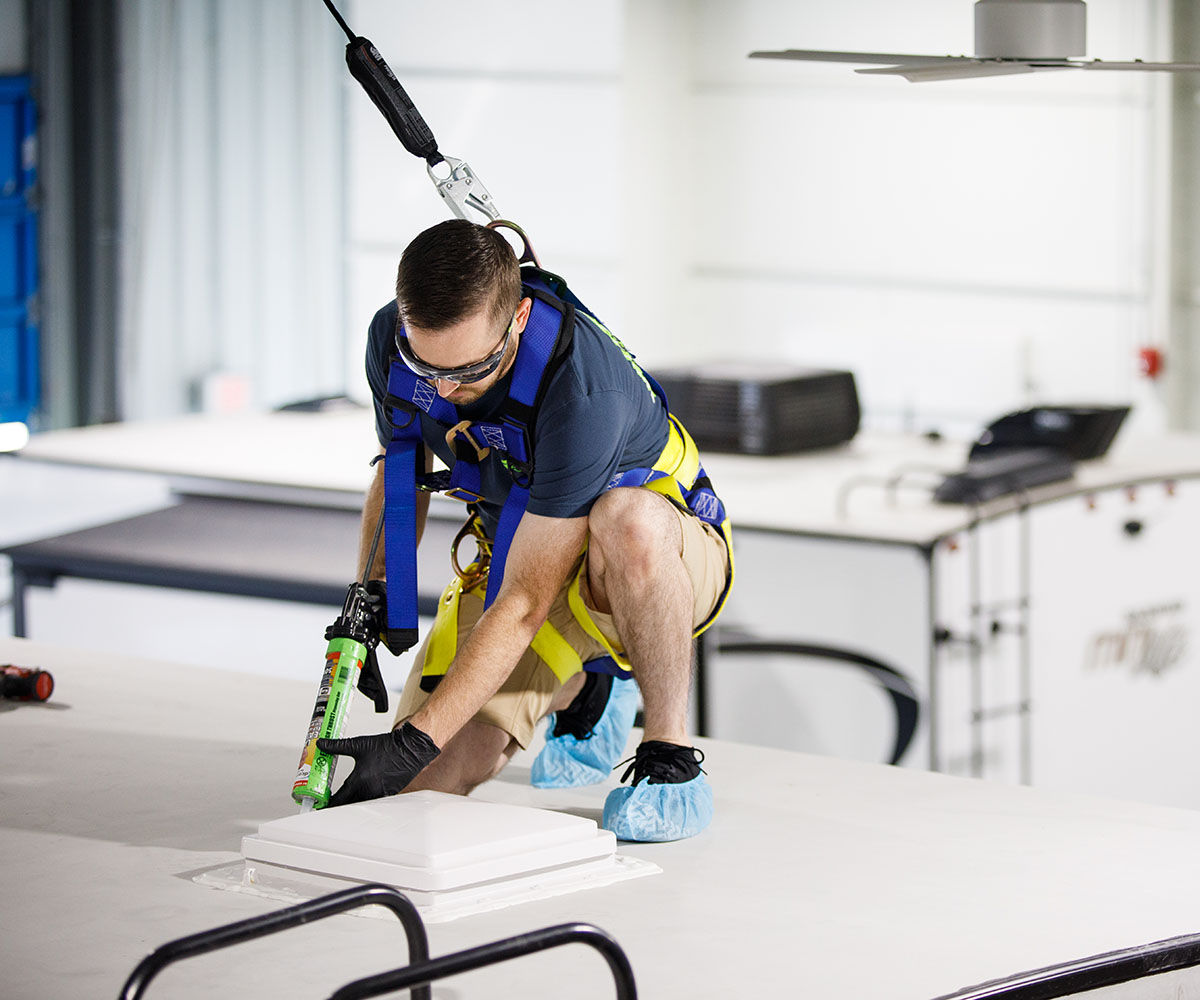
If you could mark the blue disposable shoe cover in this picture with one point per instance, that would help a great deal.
(646, 812)
(569, 762)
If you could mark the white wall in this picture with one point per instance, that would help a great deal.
(964, 247)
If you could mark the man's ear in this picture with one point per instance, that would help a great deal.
(521, 316)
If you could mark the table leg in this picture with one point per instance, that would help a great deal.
(19, 583)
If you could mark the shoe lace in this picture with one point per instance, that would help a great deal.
(663, 763)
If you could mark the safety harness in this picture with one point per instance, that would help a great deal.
(544, 345)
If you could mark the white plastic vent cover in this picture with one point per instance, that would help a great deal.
(428, 841)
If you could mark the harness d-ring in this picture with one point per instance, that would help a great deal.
(528, 256)
(483, 555)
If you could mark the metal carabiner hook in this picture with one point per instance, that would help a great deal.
(461, 190)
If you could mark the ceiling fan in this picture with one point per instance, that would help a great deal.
(1011, 36)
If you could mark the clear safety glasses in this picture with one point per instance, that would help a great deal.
(462, 374)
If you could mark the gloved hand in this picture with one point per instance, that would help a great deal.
(384, 764)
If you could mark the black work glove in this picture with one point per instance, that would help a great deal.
(384, 764)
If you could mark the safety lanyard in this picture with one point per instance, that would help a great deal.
(461, 190)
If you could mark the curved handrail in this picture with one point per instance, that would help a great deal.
(495, 952)
(278, 920)
(899, 689)
(1088, 974)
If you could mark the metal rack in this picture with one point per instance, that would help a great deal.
(279, 920)
(1095, 973)
(421, 970)
(496, 952)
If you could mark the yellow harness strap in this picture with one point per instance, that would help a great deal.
(442, 645)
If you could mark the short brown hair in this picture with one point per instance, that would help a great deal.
(453, 270)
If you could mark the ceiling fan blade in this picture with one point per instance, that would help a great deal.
(966, 70)
(883, 58)
(923, 69)
(1137, 64)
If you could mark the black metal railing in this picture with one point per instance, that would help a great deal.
(1094, 973)
(292, 916)
(494, 953)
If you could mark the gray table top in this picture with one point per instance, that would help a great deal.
(286, 551)
(819, 878)
(838, 492)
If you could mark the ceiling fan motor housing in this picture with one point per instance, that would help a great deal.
(1030, 29)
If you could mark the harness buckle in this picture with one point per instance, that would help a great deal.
(434, 482)
(463, 428)
(439, 482)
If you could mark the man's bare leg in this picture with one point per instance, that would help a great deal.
(635, 573)
(477, 753)
(566, 694)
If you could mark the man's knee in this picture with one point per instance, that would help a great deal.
(630, 522)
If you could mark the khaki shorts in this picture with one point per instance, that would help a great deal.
(525, 697)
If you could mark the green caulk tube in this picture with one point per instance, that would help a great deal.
(344, 657)
(343, 663)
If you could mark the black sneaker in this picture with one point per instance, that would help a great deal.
(579, 718)
(660, 763)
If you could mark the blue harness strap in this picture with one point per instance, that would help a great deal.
(400, 522)
(540, 337)
(510, 517)
(700, 499)
(406, 398)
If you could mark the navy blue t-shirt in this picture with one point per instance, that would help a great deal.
(599, 417)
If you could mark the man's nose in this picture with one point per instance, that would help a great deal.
(445, 387)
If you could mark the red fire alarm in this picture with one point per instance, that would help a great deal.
(1151, 361)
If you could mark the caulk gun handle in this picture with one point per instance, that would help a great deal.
(367, 66)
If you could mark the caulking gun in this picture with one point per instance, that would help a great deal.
(352, 639)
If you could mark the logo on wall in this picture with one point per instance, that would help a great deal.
(1153, 641)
